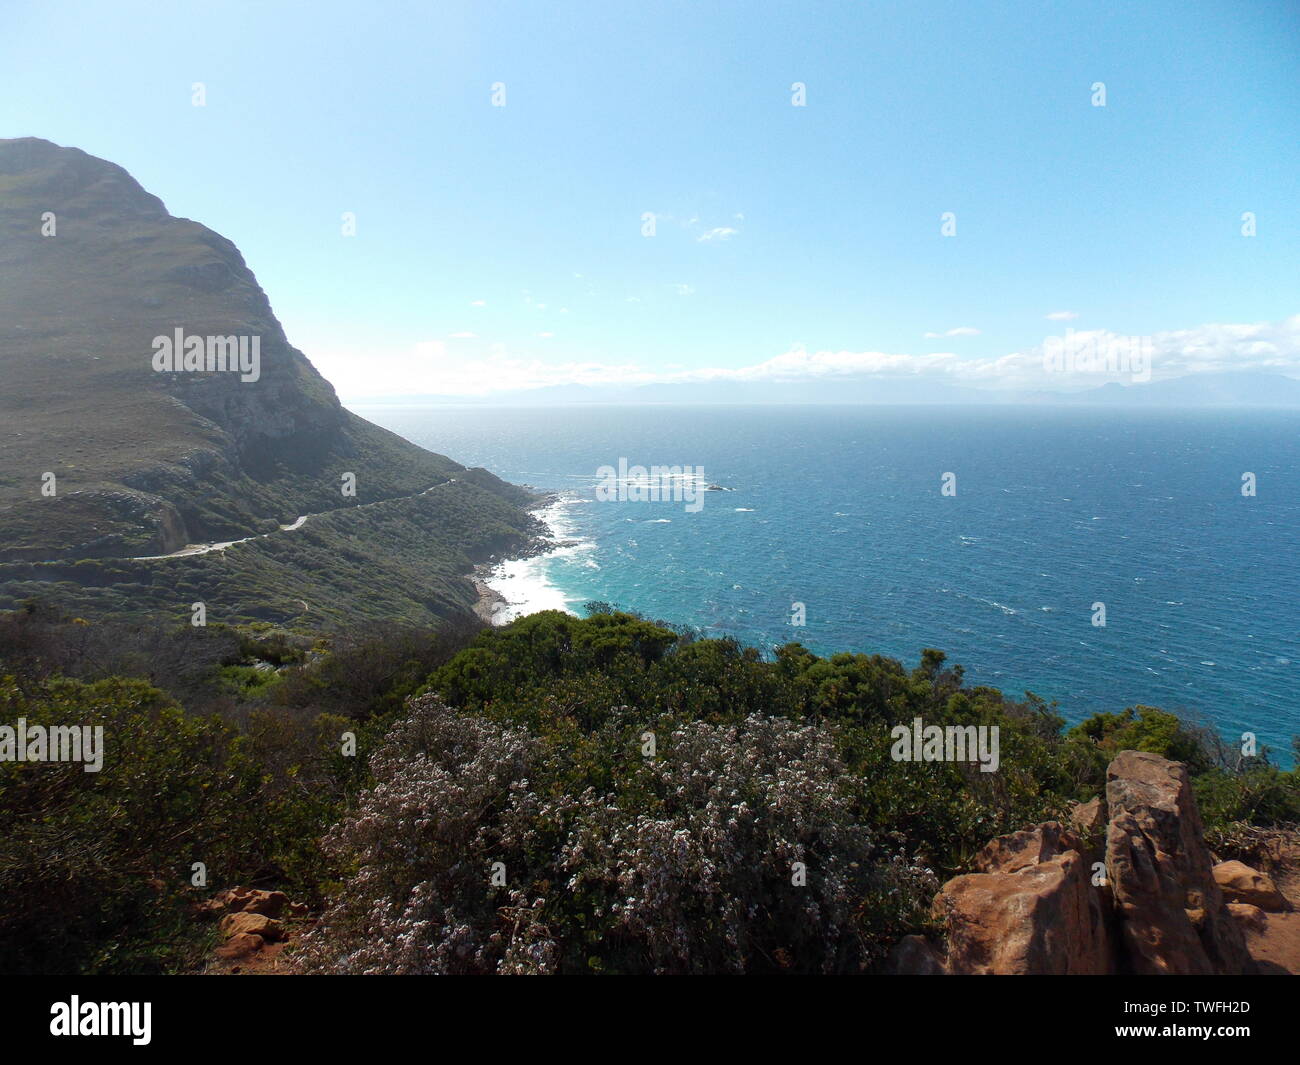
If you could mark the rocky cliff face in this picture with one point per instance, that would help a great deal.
(92, 269)
(1129, 887)
(1172, 914)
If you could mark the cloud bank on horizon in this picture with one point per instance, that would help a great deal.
(438, 368)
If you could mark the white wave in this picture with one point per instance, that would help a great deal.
(525, 584)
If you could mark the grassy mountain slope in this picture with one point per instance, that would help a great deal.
(146, 462)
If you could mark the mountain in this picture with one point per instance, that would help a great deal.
(93, 270)
(862, 389)
(1245, 389)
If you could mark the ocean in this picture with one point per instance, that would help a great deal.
(841, 509)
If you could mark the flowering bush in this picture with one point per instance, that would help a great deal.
(734, 848)
(748, 857)
(450, 797)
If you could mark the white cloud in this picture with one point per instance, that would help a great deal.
(429, 367)
(478, 303)
(682, 289)
(464, 334)
(1061, 316)
(1265, 346)
(717, 233)
(960, 331)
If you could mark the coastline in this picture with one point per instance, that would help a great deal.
(490, 604)
(515, 585)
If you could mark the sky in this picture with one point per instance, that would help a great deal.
(503, 247)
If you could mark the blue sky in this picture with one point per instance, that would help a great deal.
(788, 240)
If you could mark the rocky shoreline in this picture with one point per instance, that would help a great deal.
(490, 604)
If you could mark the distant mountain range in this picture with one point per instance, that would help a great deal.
(1196, 390)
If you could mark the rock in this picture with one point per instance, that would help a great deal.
(1251, 917)
(258, 924)
(1240, 883)
(1088, 819)
(1010, 853)
(240, 945)
(270, 903)
(915, 956)
(1033, 909)
(298, 909)
(1173, 918)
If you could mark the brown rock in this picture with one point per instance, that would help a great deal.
(1172, 915)
(1033, 909)
(298, 909)
(240, 945)
(1240, 883)
(1088, 819)
(270, 903)
(1251, 917)
(258, 924)
(1012, 852)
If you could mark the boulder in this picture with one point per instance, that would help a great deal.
(270, 903)
(1252, 918)
(257, 924)
(1088, 819)
(1032, 908)
(1240, 883)
(240, 945)
(1014, 851)
(1173, 918)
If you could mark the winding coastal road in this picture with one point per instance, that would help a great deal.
(203, 549)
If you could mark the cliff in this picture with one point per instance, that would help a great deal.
(106, 458)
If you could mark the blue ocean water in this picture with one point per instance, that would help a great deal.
(840, 508)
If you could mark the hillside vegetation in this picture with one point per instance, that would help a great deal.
(524, 751)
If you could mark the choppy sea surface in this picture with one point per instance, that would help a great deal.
(841, 509)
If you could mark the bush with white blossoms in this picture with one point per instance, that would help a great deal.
(748, 857)
(450, 798)
(736, 848)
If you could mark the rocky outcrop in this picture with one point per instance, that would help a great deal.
(1251, 918)
(253, 924)
(240, 945)
(1242, 884)
(1043, 901)
(1172, 914)
(1032, 908)
(1088, 819)
(251, 921)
